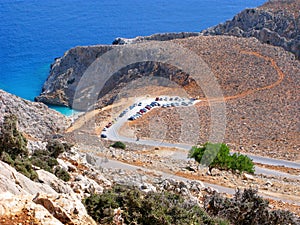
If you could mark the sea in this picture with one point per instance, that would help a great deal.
(34, 32)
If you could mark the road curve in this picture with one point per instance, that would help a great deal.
(113, 135)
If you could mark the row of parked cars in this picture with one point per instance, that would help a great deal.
(159, 101)
(143, 110)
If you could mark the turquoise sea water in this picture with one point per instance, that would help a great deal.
(33, 32)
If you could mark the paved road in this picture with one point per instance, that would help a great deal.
(113, 134)
(113, 164)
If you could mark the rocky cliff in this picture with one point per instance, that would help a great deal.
(155, 37)
(36, 120)
(276, 23)
(66, 72)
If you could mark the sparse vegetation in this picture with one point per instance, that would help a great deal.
(141, 208)
(13, 150)
(11, 140)
(218, 156)
(62, 174)
(119, 144)
(247, 208)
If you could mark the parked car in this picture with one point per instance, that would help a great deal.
(103, 136)
(183, 103)
(108, 125)
(157, 99)
(104, 129)
(140, 104)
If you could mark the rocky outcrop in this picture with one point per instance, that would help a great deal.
(51, 196)
(36, 120)
(16, 183)
(66, 208)
(277, 26)
(66, 73)
(154, 37)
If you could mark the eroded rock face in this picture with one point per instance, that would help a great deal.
(275, 27)
(66, 73)
(34, 119)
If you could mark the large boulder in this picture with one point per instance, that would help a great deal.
(67, 208)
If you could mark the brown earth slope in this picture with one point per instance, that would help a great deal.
(260, 84)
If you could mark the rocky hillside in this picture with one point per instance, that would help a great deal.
(35, 120)
(277, 23)
(259, 83)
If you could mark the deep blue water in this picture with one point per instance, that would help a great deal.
(34, 32)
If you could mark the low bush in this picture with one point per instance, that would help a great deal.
(247, 208)
(43, 160)
(119, 144)
(140, 208)
(62, 174)
(13, 150)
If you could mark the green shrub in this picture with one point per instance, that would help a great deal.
(5, 157)
(62, 174)
(11, 140)
(42, 159)
(24, 166)
(241, 163)
(119, 144)
(247, 208)
(218, 156)
(55, 148)
(140, 208)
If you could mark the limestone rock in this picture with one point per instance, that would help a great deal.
(84, 185)
(34, 119)
(248, 177)
(14, 204)
(67, 208)
(57, 184)
(275, 27)
(16, 183)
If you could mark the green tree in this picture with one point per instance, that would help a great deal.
(217, 155)
(11, 140)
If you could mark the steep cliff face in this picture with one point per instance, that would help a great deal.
(66, 72)
(34, 119)
(275, 23)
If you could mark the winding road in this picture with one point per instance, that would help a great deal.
(113, 134)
